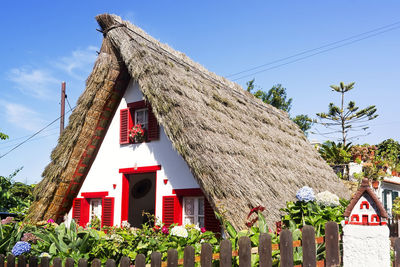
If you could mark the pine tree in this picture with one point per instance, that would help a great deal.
(343, 120)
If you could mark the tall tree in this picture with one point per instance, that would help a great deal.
(345, 119)
(277, 97)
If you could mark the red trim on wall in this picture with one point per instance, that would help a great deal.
(94, 194)
(188, 192)
(356, 217)
(364, 203)
(140, 169)
(376, 217)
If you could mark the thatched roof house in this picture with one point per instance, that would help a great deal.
(241, 152)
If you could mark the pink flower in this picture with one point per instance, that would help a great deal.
(50, 221)
(203, 229)
(165, 230)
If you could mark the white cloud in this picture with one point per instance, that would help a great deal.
(34, 82)
(79, 63)
(23, 116)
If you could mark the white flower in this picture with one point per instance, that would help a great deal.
(125, 224)
(327, 199)
(179, 231)
(44, 254)
(117, 238)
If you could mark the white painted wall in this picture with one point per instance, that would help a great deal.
(366, 246)
(112, 156)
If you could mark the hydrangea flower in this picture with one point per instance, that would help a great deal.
(327, 199)
(21, 247)
(7, 220)
(179, 231)
(305, 194)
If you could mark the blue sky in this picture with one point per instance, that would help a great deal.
(46, 42)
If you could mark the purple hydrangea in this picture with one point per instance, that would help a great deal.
(21, 247)
(305, 194)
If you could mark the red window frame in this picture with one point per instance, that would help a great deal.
(127, 119)
(84, 207)
(210, 221)
(125, 187)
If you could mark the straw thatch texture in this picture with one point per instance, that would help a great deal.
(242, 152)
(79, 142)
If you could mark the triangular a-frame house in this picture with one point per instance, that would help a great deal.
(210, 145)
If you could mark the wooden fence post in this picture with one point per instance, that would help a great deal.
(265, 250)
(110, 263)
(397, 253)
(57, 262)
(10, 260)
(44, 262)
(96, 263)
(244, 252)
(33, 261)
(172, 258)
(286, 247)
(188, 256)
(125, 262)
(2, 260)
(156, 259)
(309, 249)
(140, 260)
(82, 263)
(21, 261)
(225, 256)
(69, 262)
(206, 255)
(332, 244)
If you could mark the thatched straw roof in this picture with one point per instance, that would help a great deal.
(242, 152)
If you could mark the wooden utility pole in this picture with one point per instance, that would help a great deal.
(62, 107)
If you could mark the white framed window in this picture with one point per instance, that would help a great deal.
(141, 117)
(193, 211)
(95, 208)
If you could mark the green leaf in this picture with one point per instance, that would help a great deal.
(262, 224)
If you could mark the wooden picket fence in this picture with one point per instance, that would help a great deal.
(225, 256)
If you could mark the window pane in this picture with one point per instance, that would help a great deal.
(141, 117)
(189, 206)
(201, 206)
(201, 221)
(95, 208)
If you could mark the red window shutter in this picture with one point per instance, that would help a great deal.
(172, 210)
(107, 213)
(76, 210)
(153, 132)
(80, 211)
(124, 126)
(211, 223)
